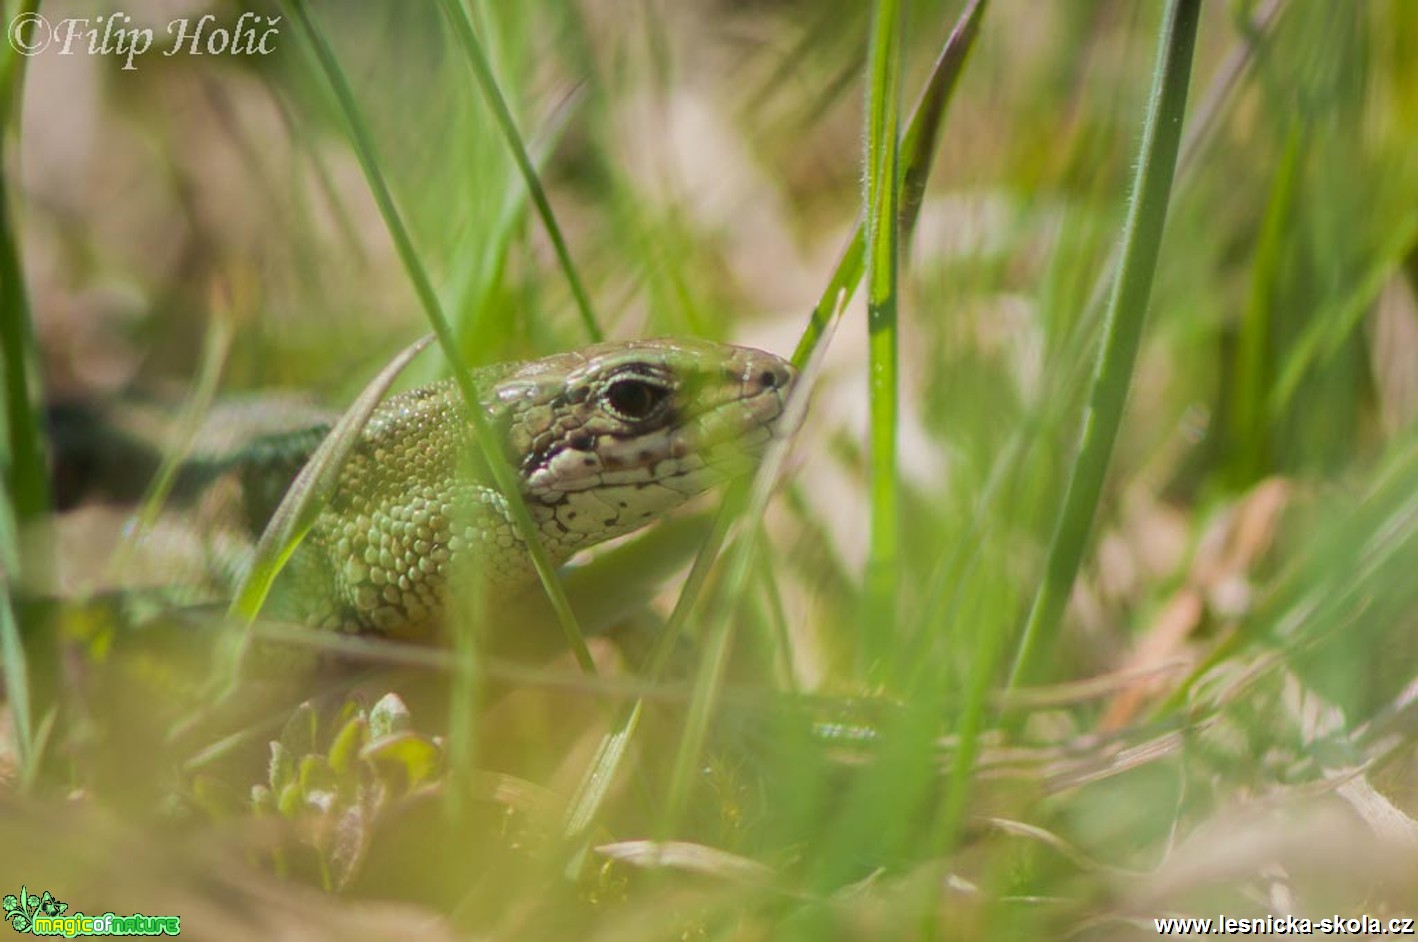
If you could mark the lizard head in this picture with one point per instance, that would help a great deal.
(612, 436)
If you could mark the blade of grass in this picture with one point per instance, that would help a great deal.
(918, 153)
(740, 566)
(1122, 330)
(291, 521)
(1325, 333)
(591, 791)
(1255, 29)
(1225, 81)
(309, 492)
(13, 658)
(503, 476)
(882, 259)
(739, 498)
(11, 61)
(214, 353)
(919, 144)
(972, 718)
(1249, 442)
(27, 481)
(959, 559)
(482, 71)
(25, 497)
(1351, 566)
(601, 773)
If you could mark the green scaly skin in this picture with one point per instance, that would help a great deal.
(604, 440)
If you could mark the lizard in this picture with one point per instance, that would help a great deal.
(604, 440)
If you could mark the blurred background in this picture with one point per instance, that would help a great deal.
(1224, 720)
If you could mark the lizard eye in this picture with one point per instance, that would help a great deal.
(635, 399)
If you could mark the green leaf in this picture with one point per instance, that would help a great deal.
(301, 730)
(280, 771)
(345, 749)
(419, 757)
(389, 717)
(289, 801)
(318, 787)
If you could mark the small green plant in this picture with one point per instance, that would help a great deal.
(336, 788)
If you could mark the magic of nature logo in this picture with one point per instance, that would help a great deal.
(46, 915)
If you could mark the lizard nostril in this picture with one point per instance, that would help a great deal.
(769, 379)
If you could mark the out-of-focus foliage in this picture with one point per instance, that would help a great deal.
(1225, 725)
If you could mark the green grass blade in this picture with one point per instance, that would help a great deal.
(918, 153)
(28, 483)
(740, 567)
(919, 142)
(311, 489)
(1249, 440)
(605, 765)
(1122, 330)
(1324, 334)
(214, 354)
(741, 498)
(960, 558)
(1258, 34)
(15, 666)
(503, 475)
(882, 248)
(24, 485)
(592, 791)
(1356, 565)
(482, 70)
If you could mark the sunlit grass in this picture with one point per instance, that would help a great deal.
(1122, 331)
(26, 495)
(1053, 618)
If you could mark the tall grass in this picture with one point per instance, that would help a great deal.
(883, 251)
(1122, 329)
(814, 707)
(22, 451)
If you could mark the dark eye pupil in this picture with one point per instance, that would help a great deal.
(633, 398)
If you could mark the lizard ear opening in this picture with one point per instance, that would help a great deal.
(636, 399)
